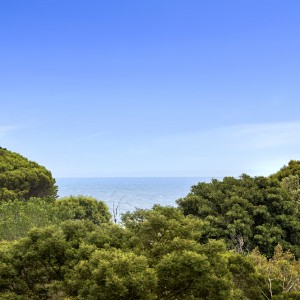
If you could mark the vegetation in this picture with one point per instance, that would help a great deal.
(247, 213)
(230, 239)
(84, 208)
(293, 168)
(21, 179)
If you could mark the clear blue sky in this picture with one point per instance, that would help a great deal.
(151, 88)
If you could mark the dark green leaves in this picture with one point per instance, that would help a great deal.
(21, 179)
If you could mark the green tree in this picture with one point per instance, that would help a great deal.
(18, 217)
(280, 274)
(85, 208)
(246, 212)
(199, 274)
(185, 269)
(113, 274)
(35, 263)
(22, 179)
(293, 168)
(109, 235)
(36, 266)
(244, 276)
(158, 231)
(292, 185)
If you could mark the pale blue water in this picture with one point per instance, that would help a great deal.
(130, 193)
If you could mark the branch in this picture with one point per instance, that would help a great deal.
(180, 291)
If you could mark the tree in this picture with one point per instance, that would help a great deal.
(280, 274)
(185, 269)
(244, 276)
(198, 274)
(85, 208)
(35, 263)
(246, 212)
(21, 179)
(113, 274)
(293, 168)
(158, 231)
(292, 185)
(18, 217)
(36, 266)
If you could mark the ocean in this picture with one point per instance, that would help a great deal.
(129, 193)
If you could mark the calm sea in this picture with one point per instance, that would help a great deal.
(130, 193)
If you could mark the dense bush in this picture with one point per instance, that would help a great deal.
(247, 212)
(293, 168)
(234, 239)
(21, 179)
(84, 208)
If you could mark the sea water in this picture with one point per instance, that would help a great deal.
(127, 194)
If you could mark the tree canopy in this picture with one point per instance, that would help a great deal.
(230, 239)
(247, 212)
(293, 168)
(85, 208)
(21, 179)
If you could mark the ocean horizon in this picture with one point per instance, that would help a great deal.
(129, 193)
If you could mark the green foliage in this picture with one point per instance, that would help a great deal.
(199, 273)
(293, 168)
(21, 179)
(190, 275)
(280, 274)
(85, 208)
(69, 249)
(246, 212)
(78, 259)
(36, 266)
(109, 236)
(245, 277)
(292, 185)
(113, 274)
(185, 269)
(161, 230)
(18, 217)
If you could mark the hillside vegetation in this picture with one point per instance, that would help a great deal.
(236, 238)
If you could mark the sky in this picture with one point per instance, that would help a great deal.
(92, 88)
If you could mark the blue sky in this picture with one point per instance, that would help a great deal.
(151, 88)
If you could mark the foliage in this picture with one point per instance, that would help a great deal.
(113, 274)
(246, 212)
(21, 179)
(244, 276)
(185, 269)
(109, 236)
(293, 168)
(85, 208)
(63, 260)
(292, 185)
(219, 243)
(198, 274)
(18, 217)
(78, 259)
(280, 274)
(36, 266)
(160, 230)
